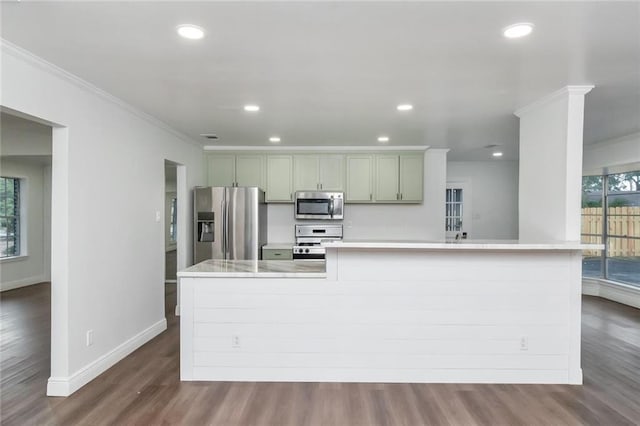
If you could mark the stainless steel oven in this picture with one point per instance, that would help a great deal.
(319, 205)
(309, 239)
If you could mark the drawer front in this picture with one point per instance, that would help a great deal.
(277, 254)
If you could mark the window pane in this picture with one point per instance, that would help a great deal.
(623, 215)
(9, 217)
(592, 191)
(592, 259)
(624, 182)
(3, 197)
(592, 220)
(623, 260)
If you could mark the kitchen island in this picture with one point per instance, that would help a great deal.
(388, 311)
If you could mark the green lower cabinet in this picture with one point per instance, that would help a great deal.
(277, 254)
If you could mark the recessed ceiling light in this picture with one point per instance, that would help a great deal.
(192, 32)
(518, 30)
(497, 154)
(252, 108)
(274, 139)
(404, 107)
(383, 139)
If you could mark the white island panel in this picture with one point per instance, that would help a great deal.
(393, 315)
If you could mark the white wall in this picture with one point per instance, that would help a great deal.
(19, 136)
(613, 155)
(494, 196)
(383, 221)
(31, 267)
(108, 185)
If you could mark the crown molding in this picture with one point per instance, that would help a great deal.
(32, 59)
(290, 148)
(567, 90)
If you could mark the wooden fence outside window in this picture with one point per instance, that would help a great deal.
(623, 221)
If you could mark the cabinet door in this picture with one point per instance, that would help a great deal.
(332, 172)
(387, 176)
(305, 173)
(279, 178)
(359, 179)
(221, 170)
(411, 177)
(250, 170)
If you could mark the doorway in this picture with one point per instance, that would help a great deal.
(170, 222)
(458, 210)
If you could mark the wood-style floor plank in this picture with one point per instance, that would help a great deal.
(144, 388)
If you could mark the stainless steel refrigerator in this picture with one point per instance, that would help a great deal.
(230, 223)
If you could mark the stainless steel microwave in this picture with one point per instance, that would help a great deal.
(319, 205)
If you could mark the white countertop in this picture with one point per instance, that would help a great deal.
(255, 269)
(506, 245)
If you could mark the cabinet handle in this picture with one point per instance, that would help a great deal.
(370, 197)
(320, 186)
(291, 196)
(401, 196)
(397, 196)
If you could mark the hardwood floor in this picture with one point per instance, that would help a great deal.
(145, 389)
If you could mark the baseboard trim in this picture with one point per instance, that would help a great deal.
(23, 282)
(621, 293)
(65, 386)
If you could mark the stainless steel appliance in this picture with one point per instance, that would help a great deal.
(230, 223)
(309, 238)
(319, 205)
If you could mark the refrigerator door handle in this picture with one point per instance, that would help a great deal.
(223, 210)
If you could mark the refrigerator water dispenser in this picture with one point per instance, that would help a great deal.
(206, 222)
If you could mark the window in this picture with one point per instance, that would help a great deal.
(173, 224)
(9, 217)
(617, 225)
(453, 210)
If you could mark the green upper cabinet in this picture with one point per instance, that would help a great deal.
(250, 170)
(279, 178)
(332, 171)
(236, 170)
(318, 172)
(387, 178)
(399, 178)
(359, 179)
(364, 177)
(306, 171)
(221, 170)
(411, 177)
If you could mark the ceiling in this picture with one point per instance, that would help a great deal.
(331, 73)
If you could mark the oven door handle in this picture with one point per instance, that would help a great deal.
(331, 207)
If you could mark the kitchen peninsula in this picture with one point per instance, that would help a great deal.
(475, 312)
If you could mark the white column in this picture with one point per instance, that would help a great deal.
(57, 384)
(551, 166)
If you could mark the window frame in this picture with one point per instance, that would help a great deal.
(604, 235)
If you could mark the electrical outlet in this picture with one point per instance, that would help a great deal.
(89, 337)
(235, 341)
(524, 343)
(158, 217)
